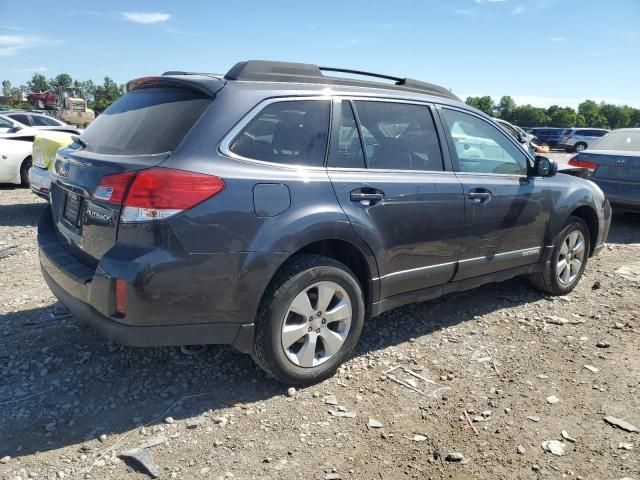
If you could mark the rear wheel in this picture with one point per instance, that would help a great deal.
(309, 321)
(568, 261)
(580, 147)
(24, 172)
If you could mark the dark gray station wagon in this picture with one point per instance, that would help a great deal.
(275, 208)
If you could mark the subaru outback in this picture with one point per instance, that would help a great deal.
(277, 207)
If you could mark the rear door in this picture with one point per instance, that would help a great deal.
(138, 131)
(388, 171)
(506, 210)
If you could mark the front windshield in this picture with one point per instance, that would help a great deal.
(625, 140)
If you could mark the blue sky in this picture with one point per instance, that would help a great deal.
(538, 51)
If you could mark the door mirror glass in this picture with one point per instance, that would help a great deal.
(545, 167)
(16, 128)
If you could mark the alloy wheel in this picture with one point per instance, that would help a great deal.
(571, 257)
(316, 324)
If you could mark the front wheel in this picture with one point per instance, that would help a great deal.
(568, 261)
(309, 321)
(24, 172)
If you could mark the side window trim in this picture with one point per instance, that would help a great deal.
(451, 146)
(224, 147)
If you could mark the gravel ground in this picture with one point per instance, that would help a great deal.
(526, 368)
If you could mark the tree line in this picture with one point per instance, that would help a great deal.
(99, 97)
(589, 114)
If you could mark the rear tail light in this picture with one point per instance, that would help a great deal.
(576, 162)
(156, 193)
(121, 297)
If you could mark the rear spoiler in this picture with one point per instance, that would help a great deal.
(204, 84)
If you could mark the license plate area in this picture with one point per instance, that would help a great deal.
(71, 212)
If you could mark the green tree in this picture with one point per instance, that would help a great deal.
(38, 83)
(617, 116)
(63, 80)
(634, 118)
(484, 104)
(6, 88)
(591, 114)
(529, 116)
(105, 94)
(505, 107)
(561, 116)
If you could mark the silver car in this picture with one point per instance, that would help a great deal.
(579, 139)
(614, 162)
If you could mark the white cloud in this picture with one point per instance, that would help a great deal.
(557, 39)
(482, 2)
(11, 27)
(13, 44)
(465, 11)
(146, 17)
(350, 43)
(34, 69)
(519, 10)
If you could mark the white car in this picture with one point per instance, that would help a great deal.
(15, 160)
(38, 121)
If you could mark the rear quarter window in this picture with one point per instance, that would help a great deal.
(145, 122)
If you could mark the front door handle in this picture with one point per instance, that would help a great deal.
(479, 195)
(366, 196)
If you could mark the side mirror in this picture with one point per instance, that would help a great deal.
(545, 167)
(16, 128)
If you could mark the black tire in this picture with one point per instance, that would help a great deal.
(24, 172)
(301, 272)
(580, 147)
(547, 280)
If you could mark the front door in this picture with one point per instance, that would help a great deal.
(506, 210)
(387, 168)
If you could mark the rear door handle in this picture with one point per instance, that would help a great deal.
(366, 196)
(479, 195)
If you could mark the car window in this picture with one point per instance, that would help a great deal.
(346, 148)
(42, 121)
(481, 147)
(5, 123)
(145, 121)
(291, 132)
(399, 136)
(625, 140)
(19, 117)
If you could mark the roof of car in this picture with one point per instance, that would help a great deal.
(303, 73)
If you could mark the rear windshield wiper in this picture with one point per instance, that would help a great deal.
(79, 141)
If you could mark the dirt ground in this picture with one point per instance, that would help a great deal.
(71, 402)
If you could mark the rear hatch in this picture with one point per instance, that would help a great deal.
(139, 131)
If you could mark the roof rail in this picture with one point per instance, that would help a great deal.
(267, 71)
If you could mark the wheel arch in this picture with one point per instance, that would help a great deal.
(589, 215)
(358, 258)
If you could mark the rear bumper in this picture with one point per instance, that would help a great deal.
(622, 196)
(40, 182)
(236, 334)
(168, 303)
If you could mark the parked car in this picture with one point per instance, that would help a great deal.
(275, 208)
(45, 146)
(38, 121)
(615, 164)
(547, 135)
(15, 161)
(579, 139)
(528, 140)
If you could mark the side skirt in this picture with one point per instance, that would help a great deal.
(435, 292)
